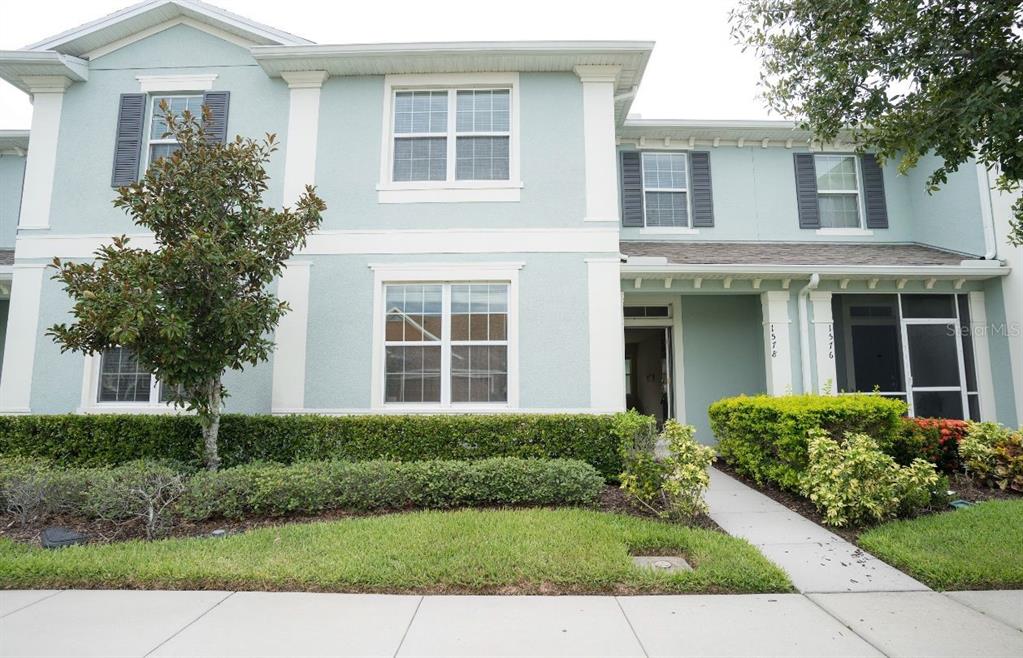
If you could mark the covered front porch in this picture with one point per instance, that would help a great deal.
(917, 324)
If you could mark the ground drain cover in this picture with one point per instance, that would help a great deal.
(666, 563)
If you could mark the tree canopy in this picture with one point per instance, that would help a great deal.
(200, 301)
(905, 77)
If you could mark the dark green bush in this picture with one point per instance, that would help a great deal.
(765, 437)
(108, 439)
(310, 487)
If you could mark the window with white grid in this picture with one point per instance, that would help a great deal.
(838, 190)
(666, 189)
(123, 379)
(446, 343)
(162, 145)
(469, 127)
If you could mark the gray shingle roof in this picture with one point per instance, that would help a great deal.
(791, 253)
(6, 257)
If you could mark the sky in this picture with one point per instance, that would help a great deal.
(696, 71)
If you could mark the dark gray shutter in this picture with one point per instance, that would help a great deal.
(703, 194)
(873, 192)
(128, 139)
(806, 191)
(218, 102)
(632, 189)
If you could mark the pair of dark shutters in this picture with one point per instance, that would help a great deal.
(806, 191)
(131, 132)
(700, 189)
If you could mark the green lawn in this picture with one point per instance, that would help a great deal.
(502, 551)
(974, 548)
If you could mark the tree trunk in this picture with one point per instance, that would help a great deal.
(210, 423)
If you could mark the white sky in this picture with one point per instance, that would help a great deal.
(696, 72)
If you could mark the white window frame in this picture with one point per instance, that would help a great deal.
(440, 273)
(688, 228)
(148, 125)
(451, 189)
(859, 229)
(90, 394)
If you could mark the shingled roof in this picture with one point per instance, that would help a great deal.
(791, 253)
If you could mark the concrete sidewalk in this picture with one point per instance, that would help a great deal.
(158, 623)
(816, 560)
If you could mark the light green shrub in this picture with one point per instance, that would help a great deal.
(993, 455)
(677, 481)
(140, 491)
(855, 483)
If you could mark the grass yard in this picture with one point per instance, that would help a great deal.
(974, 548)
(480, 551)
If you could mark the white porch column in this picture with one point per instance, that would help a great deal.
(607, 334)
(303, 129)
(20, 345)
(979, 330)
(777, 353)
(289, 356)
(824, 342)
(599, 141)
(47, 99)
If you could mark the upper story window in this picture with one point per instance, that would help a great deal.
(838, 191)
(449, 138)
(159, 145)
(469, 127)
(666, 189)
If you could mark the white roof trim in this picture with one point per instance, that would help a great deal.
(968, 270)
(17, 64)
(166, 25)
(186, 7)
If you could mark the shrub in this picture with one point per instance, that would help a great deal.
(107, 439)
(993, 455)
(136, 491)
(853, 482)
(310, 487)
(934, 439)
(677, 481)
(32, 488)
(765, 437)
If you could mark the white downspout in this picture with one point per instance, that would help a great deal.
(804, 330)
(986, 214)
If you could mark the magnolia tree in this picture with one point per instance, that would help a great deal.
(906, 77)
(196, 304)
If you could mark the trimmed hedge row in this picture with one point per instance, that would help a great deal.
(766, 439)
(310, 487)
(108, 439)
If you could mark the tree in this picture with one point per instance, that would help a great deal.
(198, 303)
(906, 77)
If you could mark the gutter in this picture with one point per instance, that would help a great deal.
(804, 330)
(968, 268)
(986, 213)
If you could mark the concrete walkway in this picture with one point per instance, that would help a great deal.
(76, 623)
(817, 560)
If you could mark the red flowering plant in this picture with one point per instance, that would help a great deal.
(934, 439)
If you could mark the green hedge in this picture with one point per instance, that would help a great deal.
(108, 439)
(310, 487)
(765, 437)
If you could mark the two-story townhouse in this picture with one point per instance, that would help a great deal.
(13, 149)
(500, 237)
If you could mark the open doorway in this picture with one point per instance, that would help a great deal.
(648, 367)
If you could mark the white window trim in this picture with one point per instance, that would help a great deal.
(451, 190)
(90, 395)
(148, 124)
(387, 273)
(859, 230)
(684, 230)
(156, 84)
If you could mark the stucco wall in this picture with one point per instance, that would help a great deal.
(12, 173)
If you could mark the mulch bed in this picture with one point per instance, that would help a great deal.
(965, 488)
(612, 499)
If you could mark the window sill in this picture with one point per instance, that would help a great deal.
(128, 408)
(397, 408)
(444, 192)
(669, 230)
(845, 231)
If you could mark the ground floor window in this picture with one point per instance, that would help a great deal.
(446, 343)
(914, 347)
(122, 379)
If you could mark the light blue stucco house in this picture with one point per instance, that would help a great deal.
(501, 236)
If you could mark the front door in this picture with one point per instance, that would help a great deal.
(648, 371)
